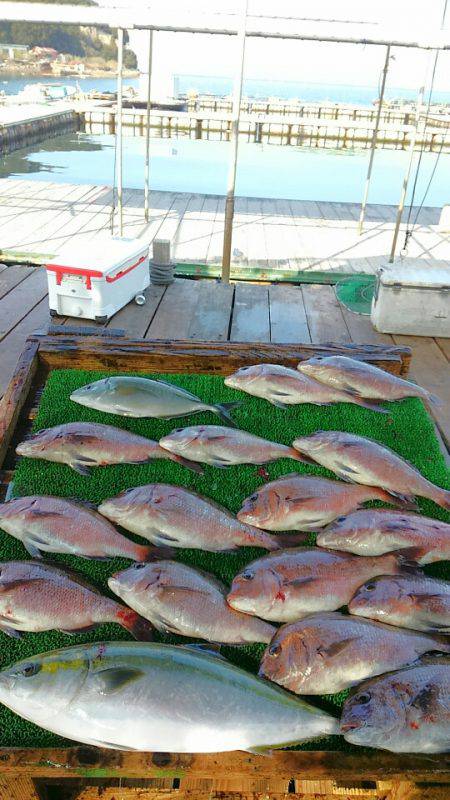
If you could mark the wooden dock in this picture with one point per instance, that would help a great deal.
(206, 310)
(272, 239)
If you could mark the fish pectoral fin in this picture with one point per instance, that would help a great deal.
(279, 404)
(161, 538)
(296, 582)
(164, 626)
(113, 679)
(32, 544)
(82, 469)
(9, 586)
(207, 648)
(336, 648)
(10, 631)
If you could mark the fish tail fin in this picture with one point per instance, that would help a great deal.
(285, 540)
(223, 410)
(430, 400)
(140, 628)
(146, 553)
(297, 456)
(185, 462)
(371, 405)
(408, 558)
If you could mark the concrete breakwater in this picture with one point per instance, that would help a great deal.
(23, 133)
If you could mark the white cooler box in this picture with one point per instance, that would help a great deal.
(95, 279)
(413, 300)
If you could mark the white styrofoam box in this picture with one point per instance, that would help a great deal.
(413, 299)
(96, 279)
(444, 220)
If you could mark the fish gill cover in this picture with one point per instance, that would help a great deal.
(407, 429)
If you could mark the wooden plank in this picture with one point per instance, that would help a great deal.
(135, 319)
(195, 231)
(18, 788)
(94, 352)
(12, 403)
(212, 312)
(16, 305)
(12, 276)
(288, 321)
(84, 762)
(250, 321)
(361, 329)
(443, 344)
(429, 367)
(325, 320)
(174, 314)
(12, 345)
(257, 253)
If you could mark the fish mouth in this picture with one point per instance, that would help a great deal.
(345, 727)
(114, 581)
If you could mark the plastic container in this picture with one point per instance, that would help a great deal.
(96, 279)
(412, 299)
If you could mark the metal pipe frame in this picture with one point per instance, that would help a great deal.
(374, 141)
(119, 142)
(226, 24)
(147, 130)
(231, 184)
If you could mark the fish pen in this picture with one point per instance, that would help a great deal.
(30, 766)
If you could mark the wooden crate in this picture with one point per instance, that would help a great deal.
(86, 772)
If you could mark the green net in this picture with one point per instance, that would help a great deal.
(356, 293)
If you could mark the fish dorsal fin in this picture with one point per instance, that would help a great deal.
(113, 679)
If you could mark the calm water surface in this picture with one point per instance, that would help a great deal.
(200, 166)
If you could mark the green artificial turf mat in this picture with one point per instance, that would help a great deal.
(407, 429)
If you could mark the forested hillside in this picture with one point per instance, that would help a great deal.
(78, 41)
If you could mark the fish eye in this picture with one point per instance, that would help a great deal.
(253, 497)
(178, 430)
(141, 565)
(340, 519)
(30, 669)
(275, 650)
(363, 699)
(247, 576)
(370, 586)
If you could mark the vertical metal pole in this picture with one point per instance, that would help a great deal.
(374, 139)
(147, 130)
(119, 164)
(237, 96)
(401, 205)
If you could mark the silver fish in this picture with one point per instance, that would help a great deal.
(374, 531)
(145, 397)
(41, 597)
(362, 379)
(290, 584)
(172, 516)
(361, 460)
(56, 525)
(326, 653)
(405, 712)
(409, 601)
(82, 445)
(297, 502)
(284, 387)
(156, 698)
(223, 447)
(179, 599)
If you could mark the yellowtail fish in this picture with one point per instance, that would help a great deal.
(361, 460)
(172, 516)
(326, 653)
(145, 397)
(179, 599)
(362, 379)
(48, 524)
(374, 531)
(82, 445)
(223, 447)
(405, 712)
(304, 502)
(157, 698)
(40, 597)
(284, 387)
(409, 601)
